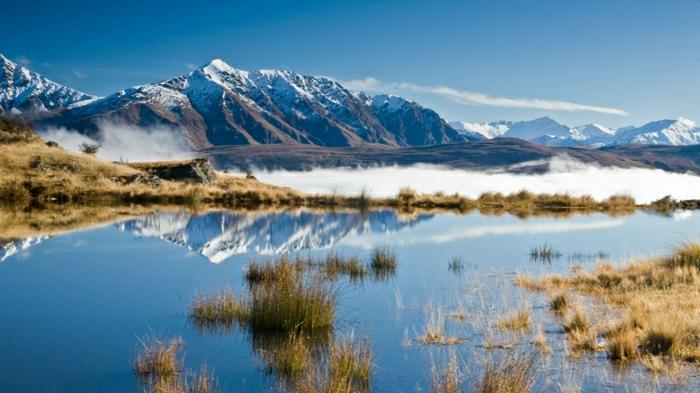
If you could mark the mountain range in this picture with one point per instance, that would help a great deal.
(217, 104)
(284, 120)
(547, 131)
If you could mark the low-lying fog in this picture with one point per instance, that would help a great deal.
(564, 176)
(121, 142)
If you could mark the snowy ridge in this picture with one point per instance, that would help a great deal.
(22, 90)
(218, 104)
(549, 132)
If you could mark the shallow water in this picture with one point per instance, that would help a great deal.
(75, 305)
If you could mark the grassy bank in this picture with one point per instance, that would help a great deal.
(36, 173)
(658, 301)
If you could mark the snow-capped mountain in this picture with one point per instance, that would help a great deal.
(24, 91)
(547, 131)
(221, 105)
(681, 131)
(219, 236)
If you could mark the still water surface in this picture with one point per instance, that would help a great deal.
(74, 305)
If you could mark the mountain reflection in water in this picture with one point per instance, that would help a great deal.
(221, 235)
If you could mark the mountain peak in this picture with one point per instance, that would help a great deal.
(22, 90)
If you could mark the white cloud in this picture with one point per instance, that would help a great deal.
(373, 85)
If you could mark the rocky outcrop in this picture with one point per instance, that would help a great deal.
(198, 170)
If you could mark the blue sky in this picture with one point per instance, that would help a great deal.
(615, 62)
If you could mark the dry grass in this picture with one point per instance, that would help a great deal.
(540, 342)
(383, 262)
(158, 359)
(518, 321)
(347, 368)
(220, 310)
(289, 358)
(658, 298)
(435, 329)
(621, 345)
(511, 374)
(560, 303)
(447, 379)
(287, 303)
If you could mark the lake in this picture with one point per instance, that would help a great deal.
(76, 304)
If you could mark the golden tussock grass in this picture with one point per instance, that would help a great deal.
(159, 366)
(659, 301)
(446, 379)
(346, 368)
(518, 321)
(560, 303)
(158, 359)
(282, 300)
(513, 373)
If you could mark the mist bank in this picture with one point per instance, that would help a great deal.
(120, 142)
(564, 176)
(513, 155)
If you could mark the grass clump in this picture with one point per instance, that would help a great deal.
(335, 265)
(289, 358)
(284, 301)
(220, 310)
(544, 253)
(560, 303)
(519, 321)
(351, 361)
(580, 332)
(540, 342)
(447, 379)
(291, 304)
(347, 368)
(686, 255)
(158, 359)
(383, 262)
(622, 345)
(510, 374)
(272, 271)
(661, 341)
(456, 265)
(435, 329)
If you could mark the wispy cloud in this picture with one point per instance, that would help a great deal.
(79, 74)
(23, 60)
(190, 66)
(464, 97)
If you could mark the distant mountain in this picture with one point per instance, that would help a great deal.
(547, 131)
(663, 132)
(220, 105)
(25, 92)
